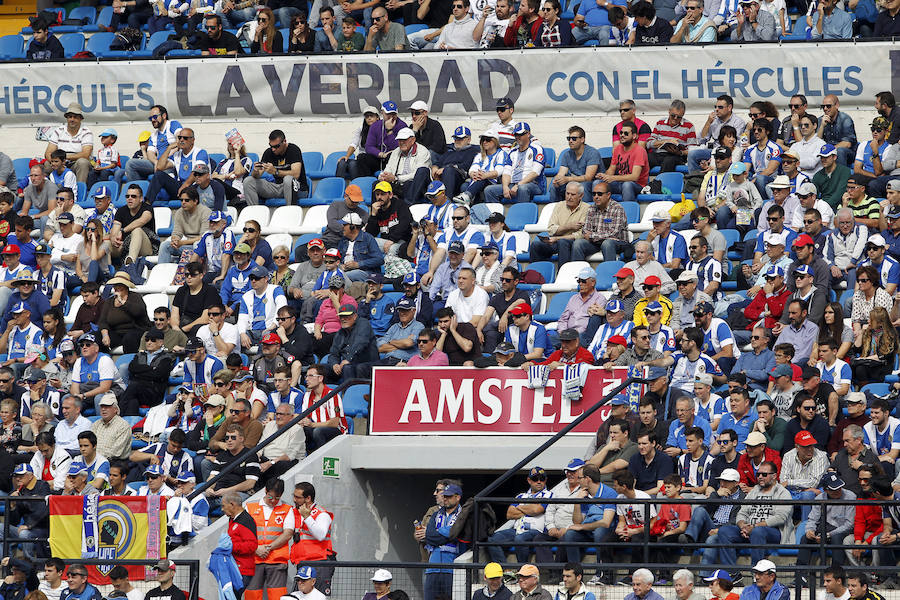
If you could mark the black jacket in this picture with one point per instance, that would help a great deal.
(392, 223)
(356, 345)
(36, 515)
(152, 378)
(432, 136)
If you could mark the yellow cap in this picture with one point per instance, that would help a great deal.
(143, 136)
(492, 570)
(384, 186)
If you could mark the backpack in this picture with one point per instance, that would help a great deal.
(128, 39)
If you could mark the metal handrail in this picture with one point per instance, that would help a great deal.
(247, 453)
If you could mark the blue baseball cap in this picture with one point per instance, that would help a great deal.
(109, 131)
(490, 247)
(434, 188)
(23, 468)
(462, 131)
(703, 308)
(456, 246)
(411, 278)
(804, 270)
(405, 303)
(259, 272)
(217, 215)
(775, 271)
(19, 307)
(102, 192)
(827, 150)
(657, 372)
(452, 490)
(653, 307)
(737, 168)
(66, 217)
(305, 573)
(618, 401)
(718, 574)
(614, 306)
(186, 476)
(77, 468)
(521, 127)
(389, 107)
(154, 471)
(574, 464)
(88, 337)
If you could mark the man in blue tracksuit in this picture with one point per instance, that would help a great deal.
(765, 585)
(441, 547)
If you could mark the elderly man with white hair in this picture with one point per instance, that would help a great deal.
(644, 266)
(683, 580)
(642, 586)
(845, 247)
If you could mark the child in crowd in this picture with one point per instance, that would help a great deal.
(670, 522)
(107, 162)
(59, 173)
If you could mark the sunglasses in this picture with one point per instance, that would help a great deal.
(185, 137)
(279, 257)
(795, 105)
(862, 280)
(280, 319)
(506, 279)
(214, 314)
(772, 219)
(381, 18)
(824, 106)
(877, 129)
(416, 113)
(237, 411)
(422, 341)
(573, 138)
(502, 109)
(458, 218)
(249, 230)
(764, 474)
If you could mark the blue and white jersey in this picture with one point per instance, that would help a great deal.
(214, 248)
(470, 237)
(294, 398)
(236, 282)
(758, 159)
(707, 270)
(89, 374)
(685, 370)
(507, 244)
(52, 281)
(442, 215)
(716, 408)
(106, 217)
(423, 255)
(99, 469)
(257, 312)
(326, 275)
(199, 512)
(184, 163)
(526, 341)
(494, 162)
(619, 37)
(741, 425)
(837, 374)
(50, 396)
(728, 11)
(669, 247)
(799, 180)
(21, 341)
(663, 340)
(693, 472)
(882, 442)
(66, 179)
(538, 522)
(10, 273)
(717, 337)
(761, 244)
(165, 490)
(202, 373)
(163, 138)
(597, 347)
(889, 269)
(520, 163)
(172, 465)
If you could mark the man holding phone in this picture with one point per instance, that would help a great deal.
(284, 162)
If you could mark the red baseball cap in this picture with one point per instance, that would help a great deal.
(521, 309)
(315, 243)
(333, 252)
(652, 280)
(803, 240)
(11, 249)
(804, 438)
(624, 272)
(271, 338)
(617, 339)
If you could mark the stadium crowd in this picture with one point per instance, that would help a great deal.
(760, 388)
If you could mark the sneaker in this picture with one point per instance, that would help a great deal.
(685, 539)
(462, 198)
(890, 584)
(595, 580)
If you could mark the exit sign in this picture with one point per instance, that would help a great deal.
(330, 466)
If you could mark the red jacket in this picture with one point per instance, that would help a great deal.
(748, 475)
(582, 356)
(242, 530)
(509, 38)
(868, 519)
(775, 303)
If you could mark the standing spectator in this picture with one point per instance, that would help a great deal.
(243, 534)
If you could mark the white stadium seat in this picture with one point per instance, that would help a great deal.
(162, 216)
(160, 280)
(285, 219)
(259, 213)
(280, 239)
(566, 278)
(76, 303)
(649, 211)
(543, 220)
(315, 219)
(419, 211)
(154, 301)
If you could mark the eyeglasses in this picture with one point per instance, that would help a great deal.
(772, 219)
(455, 218)
(237, 411)
(824, 106)
(160, 320)
(263, 19)
(219, 383)
(71, 574)
(153, 117)
(501, 109)
(765, 473)
(330, 262)
(859, 280)
(416, 113)
(422, 341)
(753, 115)
(280, 257)
(185, 137)
(573, 138)
(807, 408)
(795, 105)
(721, 106)
(805, 125)
(280, 319)
(726, 441)
(808, 221)
(231, 437)
(599, 193)
(546, 9)
(276, 146)
(675, 117)
(621, 110)
(254, 278)
(90, 229)
(249, 230)
(381, 18)
(877, 129)
(506, 279)
(5, 380)
(517, 316)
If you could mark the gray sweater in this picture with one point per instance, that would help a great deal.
(838, 519)
(774, 516)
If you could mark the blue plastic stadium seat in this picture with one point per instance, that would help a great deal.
(285, 38)
(79, 12)
(327, 191)
(520, 215)
(632, 211)
(355, 403)
(99, 43)
(410, 29)
(19, 164)
(72, 42)
(328, 169)
(313, 162)
(156, 40)
(545, 268)
(732, 236)
(606, 273)
(550, 165)
(12, 46)
(673, 185)
(62, 11)
(554, 309)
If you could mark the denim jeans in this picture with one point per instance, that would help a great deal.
(599, 33)
(438, 586)
(804, 509)
(695, 156)
(576, 553)
(417, 40)
(539, 250)
(583, 248)
(731, 535)
(628, 189)
(508, 537)
(524, 193)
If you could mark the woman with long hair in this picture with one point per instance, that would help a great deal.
(54, 327)
(833, 328)
(260, 250)
(267, 39)
(867, 296)
(302, 38)
(348, 167)
(555, 32)
(878, 349)
(93, 262)
(486, 168)
(232, 169)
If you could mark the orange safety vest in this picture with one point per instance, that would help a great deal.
(305, 546)
(267, 531)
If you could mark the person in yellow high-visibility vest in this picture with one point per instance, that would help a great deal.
(274, 528)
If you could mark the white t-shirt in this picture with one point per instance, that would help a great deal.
(60, 245)
(71, 143)
(228, 333)
(633, 514)
(467, 307)
(53, 594)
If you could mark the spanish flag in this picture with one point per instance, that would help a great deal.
(108, 527)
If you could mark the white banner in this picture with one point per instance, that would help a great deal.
(541, 81)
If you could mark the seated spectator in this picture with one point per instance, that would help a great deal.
(65, 203)
(452, 165)
(671, 521)
(566, 223)
(271, 358)
(26, 293)
(267, 39)
(838, 521)
(629, 170)
(486, 168)
(806, 419)
(173, 339)
(287, 450)
(802, 468)
(753, 24)
(801, 333)
(192, 300)
(236, 282)
(522, 175)
(327, 322)
(649, 30)
(459, 341)
(284, 162)
(353, 347)
(231, 172)
(868, 295)
(875, 147)
(212, 193)
(51, 281)
(632, 526)
(867, 522)
(218, 42)
(148, 374)
(428, 354)
(845, 247)
(44, 45)
(667, 146)
(603, 228)
(215, 247)
(649, 466)
(408, 167)
(695, 27)
(385, 35)
(243, 478)
(555, 31)
(707, 520)
(524, 27)
(302, 37)
(258, 307)
(362, 255)
(304, 279)
(327, 421)
(528, 520)
(831, 22)
(878, 348)
(282, 273)
(390, 222)
(188, 223)
(124, 318)
(504, 355)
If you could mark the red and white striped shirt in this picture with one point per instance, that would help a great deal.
(684, 132)
(329, 410)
